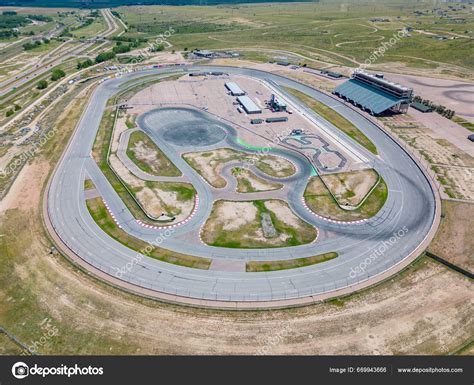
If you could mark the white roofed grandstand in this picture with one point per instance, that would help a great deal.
(374, 94)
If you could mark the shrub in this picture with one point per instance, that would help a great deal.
(42, 84)
(104, 56)
(57, 74)
(84, 64)
(119, 48)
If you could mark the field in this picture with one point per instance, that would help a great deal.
(148, 157)
(382, 320)
(97, 26)
(248, 182)
(454, 168)
(341, 34)
(453, 240)
(255, 224)
(350, 188)
(321, 202)
(210, 163)
(424, 310)
(289, 264)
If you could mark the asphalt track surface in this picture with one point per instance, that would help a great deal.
(409, 211)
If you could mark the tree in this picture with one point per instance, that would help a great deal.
(104, 56)
(86, 63)
(121, 48)
(17, 107)
(57, 74)
(9, 113)
(28, 46)
(42, 84)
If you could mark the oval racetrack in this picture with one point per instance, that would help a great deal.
(366, 250)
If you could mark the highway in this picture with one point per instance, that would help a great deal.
(410, 210)
(53, 59)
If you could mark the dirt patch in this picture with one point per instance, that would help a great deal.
(148, 157)
(284, 213)
(454, 241)
(454, 168)
(350, 188)
(165, 198)
(119, 129)
(174, 199)
(321, 202)
(234, 215)
(210, 163)
(275, 166)
(255, 224)
(124, 173)
(22, 193)
(248, 182)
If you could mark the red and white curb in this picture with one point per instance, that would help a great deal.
(196, 205)
(200, 235)
(332, 220)
(111, 213)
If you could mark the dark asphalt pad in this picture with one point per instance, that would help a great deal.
(198, 133)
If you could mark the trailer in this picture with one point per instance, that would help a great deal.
(277, 119)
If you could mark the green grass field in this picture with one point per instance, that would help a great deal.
(88, 184)
(257, 266)
(463, 122)
(97, 26)
(250, 233)
(338, 33)
(320, 201)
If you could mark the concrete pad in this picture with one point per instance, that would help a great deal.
(91, 194)
(227, 265)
